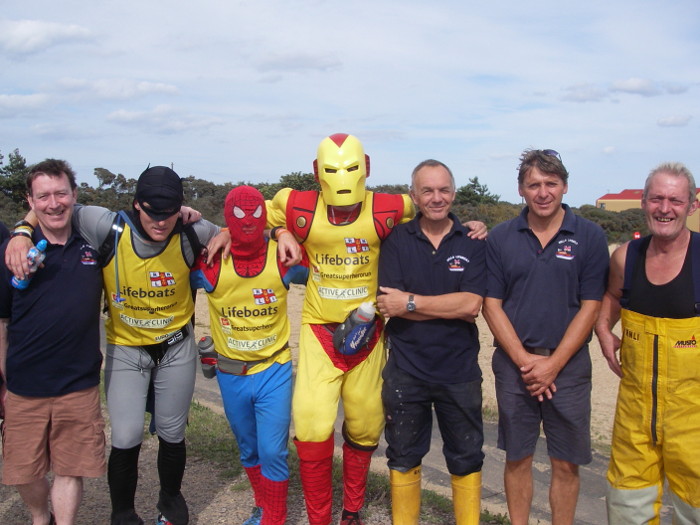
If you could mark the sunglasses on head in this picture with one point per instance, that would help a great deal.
(551, 153)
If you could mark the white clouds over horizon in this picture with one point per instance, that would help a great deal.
(245, 90)
(24, 37)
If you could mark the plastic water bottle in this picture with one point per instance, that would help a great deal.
(354, 333)
(363, 314)
(35, 256)
(207, 356)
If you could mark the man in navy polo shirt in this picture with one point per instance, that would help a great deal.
(546, 279)
(52, 367)
(431, 283)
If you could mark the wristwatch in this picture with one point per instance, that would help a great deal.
(411, 305)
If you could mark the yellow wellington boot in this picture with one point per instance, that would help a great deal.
(405, 496)
(466, 498)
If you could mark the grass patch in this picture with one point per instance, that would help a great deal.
(209, 438)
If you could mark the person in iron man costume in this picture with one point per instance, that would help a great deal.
(341, 227)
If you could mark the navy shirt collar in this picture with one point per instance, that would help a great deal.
(413, 225)
(567, 225)
(39, 235)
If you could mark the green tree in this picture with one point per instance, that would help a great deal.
(299, 181)
(394, 189)
(475, 193)
(114, 191)
(13, 177)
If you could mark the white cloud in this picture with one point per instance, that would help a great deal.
(636, 86)
(675, 121)
(583, 93)
(19, 104)
(117, 89)
(299, 62)
(22, 37)
(676, 89)
(163, 119)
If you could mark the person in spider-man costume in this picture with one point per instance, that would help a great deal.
(247, 294)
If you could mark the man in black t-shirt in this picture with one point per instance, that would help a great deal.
(431, 283)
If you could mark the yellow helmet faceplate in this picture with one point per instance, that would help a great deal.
(341, 168)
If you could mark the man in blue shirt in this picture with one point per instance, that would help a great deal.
(431, 278)
(52, 367)
(546, 278)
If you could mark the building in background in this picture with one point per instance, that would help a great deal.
(629, 199)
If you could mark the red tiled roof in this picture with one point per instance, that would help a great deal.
(626, 195)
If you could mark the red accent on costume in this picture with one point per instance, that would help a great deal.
(255, 478)
(301, 206)
(341, 361)
(211, 273)
(316, 469)
(387, 210)
(339, 138)
(275, 501)
(355, 468)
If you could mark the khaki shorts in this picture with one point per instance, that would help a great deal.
(64, 434)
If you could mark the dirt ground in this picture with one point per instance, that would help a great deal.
(216, 501)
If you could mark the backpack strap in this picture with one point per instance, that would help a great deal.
(192, 237)
(109, 245)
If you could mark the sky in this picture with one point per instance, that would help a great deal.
(244, 91)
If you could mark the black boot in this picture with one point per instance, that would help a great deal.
(122, 476)
(171, 469)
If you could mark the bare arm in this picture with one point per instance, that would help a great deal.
(610, 310)
(288, 248)
(456, 305)
(16, 253)
(3, 362)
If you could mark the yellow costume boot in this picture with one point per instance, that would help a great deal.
(405, 496)
(466, 498)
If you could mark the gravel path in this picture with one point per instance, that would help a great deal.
(211, 499)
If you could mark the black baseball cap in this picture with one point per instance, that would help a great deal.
(159, 192)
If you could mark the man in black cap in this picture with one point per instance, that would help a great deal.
(147, 256)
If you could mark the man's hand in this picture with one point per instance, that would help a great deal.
(189, 215)
(288, 249)
(16, 256)
(392, 301)
(609, 345)
(539, 374)
(477, 230)
(220, 243)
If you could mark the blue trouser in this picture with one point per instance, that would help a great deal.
(408, 403)
(258, 408)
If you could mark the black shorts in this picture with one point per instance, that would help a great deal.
(408, 406)
(565, 419)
